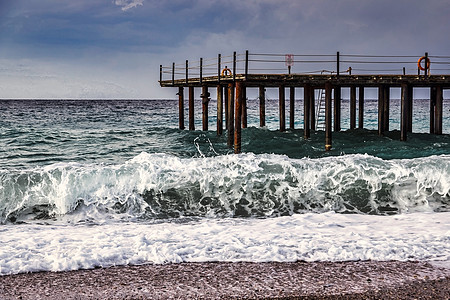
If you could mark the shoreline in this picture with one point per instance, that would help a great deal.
(226, 280)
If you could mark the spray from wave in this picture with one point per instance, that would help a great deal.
(162, 186)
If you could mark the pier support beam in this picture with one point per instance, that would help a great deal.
(433, 93)
(381, 109)
(244, 106)
(282, 108)
(337, 108)
(404, 115)
(291, 107)
(386, 104)
(226, 96)
(410, 106)
(306, 111)
(238, 113)
(230, 140)
(361, 108)
(205, 101)
(312, 108)
(328, 134)
(262, 106)
(180, 107)
(438, 111)
(353, 107)
(191, 108)
(219, 109)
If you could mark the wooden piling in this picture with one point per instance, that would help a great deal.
(181, 107)
(337, 108)
(312, 109)
(291, 107)
(230, 141)
(238, 114)
(191, 108)
(381, 110)
(225, 103)
(262, 106)
(244, 106)
(306, 111)
(386, 104)
(328, 113)
(219, 109)
(361, 108)
(205, 101)
(353, 107)
(410, 107)
(438, 110)
(282, 108)
(433, 92)
(404, 112)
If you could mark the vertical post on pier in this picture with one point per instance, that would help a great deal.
(244, 106)
(328, 113)
(291, 107)
(352, 107)
(386, 105)
(410, 107)
(187, 71)
(282, 108)
(160, 72)
(438, 110)
(426, 72)
(234, 66)
(201, 70)
(306, 111)
(404, 112)
(226, 98)
(312, 108)
(262, 106)
(219, 109)
(230, 115)
(337, 64)
(361, 108)
(191, 108)
(219, 67)
(238, 113)
(181, 107)
(246, 64)
(337, 108)
(173, 73)
(205, 102)
(381, 109)
(433, 93)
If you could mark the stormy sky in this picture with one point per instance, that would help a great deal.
(113, 48)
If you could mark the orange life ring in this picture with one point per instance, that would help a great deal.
(420, 61)
(226, 72)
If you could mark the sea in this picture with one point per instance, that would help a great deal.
(99, 183)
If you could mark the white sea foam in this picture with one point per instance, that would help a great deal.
(309, 237)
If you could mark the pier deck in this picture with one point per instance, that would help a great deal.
(370, 71)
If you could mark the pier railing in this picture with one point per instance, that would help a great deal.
(337, 64)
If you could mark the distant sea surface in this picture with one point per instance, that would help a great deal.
(89, 183)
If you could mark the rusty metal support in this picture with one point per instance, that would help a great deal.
(244, 107)
(219, 67)
(205, 101)
(219, 109)
(381, 109)
(410, 107)
(234, 67)
(433, 94)
(352, 107)
(386, 108)
(246, 64)
(173, 73)
(306, 111)
(191, 108)
(337, 108)
(361, 108)
(438, 110)
(312, 108)
(404, 115)
(160, 73)
(230, 140)
(201, 70)
(262, 106)
(181, 107)
(328, 114)
(238, 113)
(282, 108)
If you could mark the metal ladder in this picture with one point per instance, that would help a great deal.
(320, 112)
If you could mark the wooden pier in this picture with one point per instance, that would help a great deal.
(231, 87)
